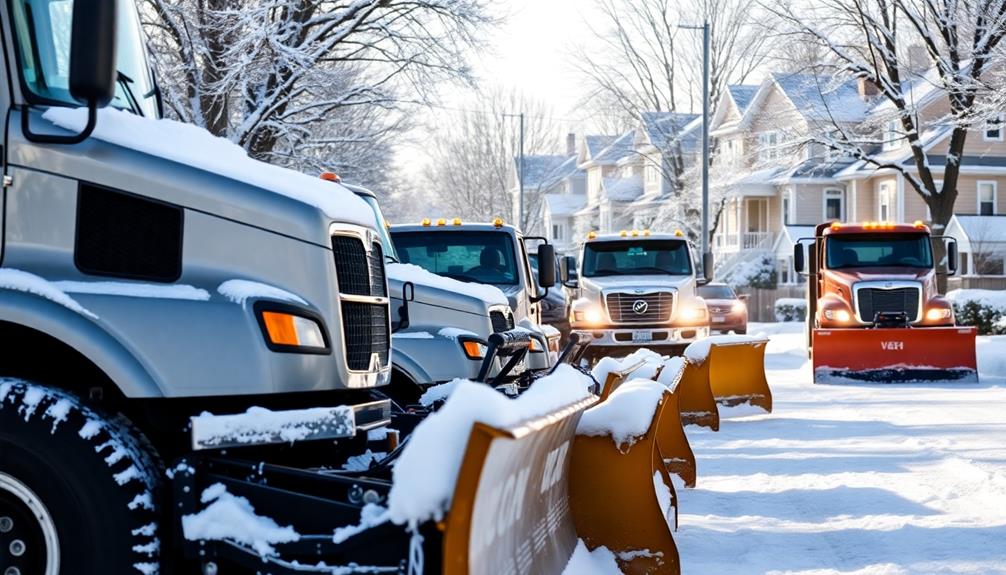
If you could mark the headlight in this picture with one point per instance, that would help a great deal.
(739, 307)
(292, 332)
(694, 313)
(840, 315)
(473, 349)
(590, 315)
(937, 314)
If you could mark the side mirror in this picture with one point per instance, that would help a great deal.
(546, 265)
(744, 297)
(952, 257)
(708, 264)
(92, 53)
(567, 268)
(798, 263)
(408, 294)
(92, 70)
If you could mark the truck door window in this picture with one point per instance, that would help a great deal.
(42, 28)
(874, 251)
(643, 257)
(478, 257)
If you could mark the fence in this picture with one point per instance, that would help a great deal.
(761, 302)
(982, 282)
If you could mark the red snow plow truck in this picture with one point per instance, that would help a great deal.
(874, 312)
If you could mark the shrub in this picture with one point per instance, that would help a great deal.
(759, 272)
(984, 309)
(790, 309)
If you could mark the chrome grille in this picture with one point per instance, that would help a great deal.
(623, 307)
(871, 301)
(351, 265)
(720, 309)
(366, 333)
(378, 287)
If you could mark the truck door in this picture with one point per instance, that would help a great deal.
(531, 292)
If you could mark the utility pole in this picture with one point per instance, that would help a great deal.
(520, 168)
(705, 133)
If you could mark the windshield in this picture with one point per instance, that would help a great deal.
(382, 228)
(643, 257)
(875, 251)
(716, 292)
(479, 257)
(43, 48)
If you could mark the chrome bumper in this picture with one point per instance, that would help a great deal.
(643, 336)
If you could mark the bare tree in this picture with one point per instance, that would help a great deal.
(296, 81)
(869, 40)
(646, 63)
(473, 153)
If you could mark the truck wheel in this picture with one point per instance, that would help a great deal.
(76, 488)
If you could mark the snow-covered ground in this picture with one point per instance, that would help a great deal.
(852, 479)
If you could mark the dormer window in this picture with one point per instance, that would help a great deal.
(768, 146)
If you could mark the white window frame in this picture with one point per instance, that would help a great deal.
(768, 145)
(558, 232)
(833, 192)
(884, 192)
(996, 123)
(978, 195)
(892, 137)
(787, 207)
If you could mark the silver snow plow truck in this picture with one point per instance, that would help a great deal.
(187, 334)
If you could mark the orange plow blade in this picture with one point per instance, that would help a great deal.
(621, 498)
(695, 397)
(737, 374)
(895, 355)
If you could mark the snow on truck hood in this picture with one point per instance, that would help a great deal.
(640, 281)
(191, 145)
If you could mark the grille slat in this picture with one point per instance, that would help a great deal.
(658, 307)
(376, 260)
(366, 333)
(351, 265)
(872, 301)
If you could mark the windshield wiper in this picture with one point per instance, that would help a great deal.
(125, 81)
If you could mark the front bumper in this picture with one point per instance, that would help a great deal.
(642, 336)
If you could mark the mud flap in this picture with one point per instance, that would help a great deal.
(510, 512)
(895, 355)
(737, 374)
(621, 499)
(695, 397)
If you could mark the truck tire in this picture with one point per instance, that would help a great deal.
(76, 488)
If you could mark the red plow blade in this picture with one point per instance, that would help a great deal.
(895, 355)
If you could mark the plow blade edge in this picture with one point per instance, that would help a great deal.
(893, 355)
(737, 374)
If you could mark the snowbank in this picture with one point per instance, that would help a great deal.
(135, 289)
(22, 281)
(420, 276)
(991, 298)
(625, 415)
(191, 145)
(231, 518)
(240, 291)
(698, 351)
(600, 561)
(426, 471)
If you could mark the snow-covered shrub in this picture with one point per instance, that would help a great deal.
(790, 309)
(758, 272)
(984, 309)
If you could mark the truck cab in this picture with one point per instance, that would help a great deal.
(494, 254)
(636, 289)
(440, 326)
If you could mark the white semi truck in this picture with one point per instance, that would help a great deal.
(636, 289)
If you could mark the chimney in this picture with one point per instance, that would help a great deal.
(570, 144)
(867, 89)
(919, 61)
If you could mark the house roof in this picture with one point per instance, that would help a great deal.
(790, 235)
(661, 127)
(596, 143)
(565, 204)
(814, 168)
(616, 150)
(623, 189)
(901, 155)
(990, 229)
(823, 98)
(743, 95)
(544, 170)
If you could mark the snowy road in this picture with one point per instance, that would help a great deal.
(852, 479)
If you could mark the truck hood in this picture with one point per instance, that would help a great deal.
(645, 282)
(437, 290)
(440, 297)
(850, 276)
(185, 165)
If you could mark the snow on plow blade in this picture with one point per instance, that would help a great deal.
(735, 367)
(895, 355)
(511, 508)
(621, 494)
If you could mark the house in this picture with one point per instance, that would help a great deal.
(777, 183)
(549, 180)
(981, 242)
